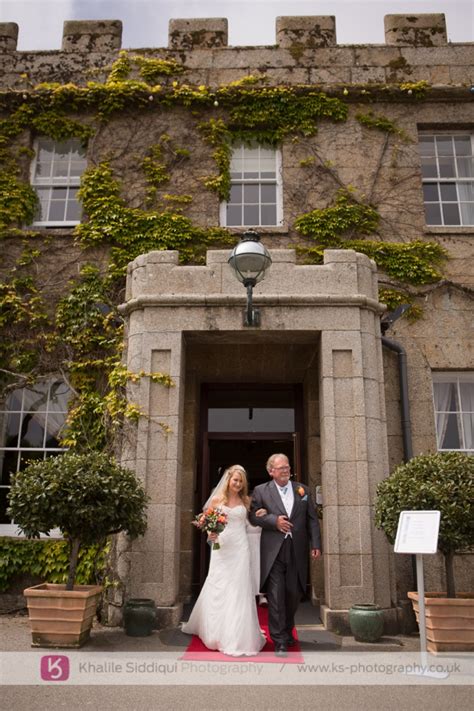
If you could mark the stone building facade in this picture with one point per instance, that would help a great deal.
(315, 366)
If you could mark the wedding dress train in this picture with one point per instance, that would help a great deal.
(225, 614)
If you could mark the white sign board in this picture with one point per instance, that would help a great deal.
(417, 532)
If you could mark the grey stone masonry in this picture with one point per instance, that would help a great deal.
(8, 36)
(305, 53)
(203, 32)
(299, 33)
(417, 30)
(92, 35)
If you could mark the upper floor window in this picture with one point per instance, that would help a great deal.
(255, 194)
(447, 166)
(30, 423)
(56, 175)
(454, 410)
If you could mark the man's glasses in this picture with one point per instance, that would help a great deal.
(281, 469)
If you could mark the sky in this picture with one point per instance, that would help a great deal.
(251, 22)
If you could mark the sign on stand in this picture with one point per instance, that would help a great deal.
(417, 533)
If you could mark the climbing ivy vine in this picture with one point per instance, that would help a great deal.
(82, 335)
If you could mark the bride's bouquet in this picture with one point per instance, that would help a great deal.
(211, 521)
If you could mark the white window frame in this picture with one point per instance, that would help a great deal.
(11, 529)
(456, 378)
(67, 182)
(277, 181)
(456, 180)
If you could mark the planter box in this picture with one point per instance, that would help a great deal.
(449, 621)
(60, 617)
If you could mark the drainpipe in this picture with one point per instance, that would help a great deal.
(405, 411)
(404, 401)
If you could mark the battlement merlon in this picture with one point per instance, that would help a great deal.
(306, 52)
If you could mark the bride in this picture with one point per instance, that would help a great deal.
(225, 614)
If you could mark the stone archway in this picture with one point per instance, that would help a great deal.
(335, 303)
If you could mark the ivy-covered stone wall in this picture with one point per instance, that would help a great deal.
(159, 125)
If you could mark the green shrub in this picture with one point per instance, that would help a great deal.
(439, 482)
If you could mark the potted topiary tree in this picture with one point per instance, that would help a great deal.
(88, 496)
(443, 482)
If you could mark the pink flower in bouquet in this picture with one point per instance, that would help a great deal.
(211, 521)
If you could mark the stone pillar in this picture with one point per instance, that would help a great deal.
(306, 32)
(204, 32)
(417, 30)
(353, 459)
(92, 35)
(8, 36)
(156, 347)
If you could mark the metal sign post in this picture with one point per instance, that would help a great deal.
(417, 534)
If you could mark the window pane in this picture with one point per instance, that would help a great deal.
(433, 214)
(9, 467)
(451, 439)
(467, 396)
(45, 149)
(58, 397)
(428, 168)
(60, 169)
(269, 215)
(427, 146)
(57, 210)
(236, 193)
(12, 429)
(467, 213)
(73, 211)
(14, 400)
(465, 167)
(251, 193)
(32, 431)
(36, 398)
(448, 192)
(251, 215)
(468, 426)
(451, 214)
(466, 191)
(447, 168)
(268, 193)
(234, 215)
(463, 145)
(444, 145)
(44, 169)
(3, 506)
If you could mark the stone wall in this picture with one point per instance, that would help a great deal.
(385, 168)
(305, 52)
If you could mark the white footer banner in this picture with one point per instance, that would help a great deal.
(58, 667)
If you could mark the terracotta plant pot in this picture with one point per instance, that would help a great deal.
(449, 621)
(60, 617)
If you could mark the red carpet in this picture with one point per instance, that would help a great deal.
(197, 651)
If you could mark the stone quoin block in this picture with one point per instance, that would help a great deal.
(92, 35)
(8, 36)
(204, 32)
(427, 30)
(300, 33)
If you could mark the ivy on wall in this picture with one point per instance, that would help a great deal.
(49, 559)
(82, 335)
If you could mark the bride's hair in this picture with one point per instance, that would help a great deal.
(243, 493)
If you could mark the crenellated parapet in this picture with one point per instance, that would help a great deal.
(306, 52)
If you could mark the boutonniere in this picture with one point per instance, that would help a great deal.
(300, 491)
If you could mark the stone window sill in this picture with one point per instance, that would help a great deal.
(441, 230)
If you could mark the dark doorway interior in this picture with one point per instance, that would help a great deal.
(252, 454)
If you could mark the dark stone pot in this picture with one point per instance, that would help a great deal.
(139, 617)
(366, 621)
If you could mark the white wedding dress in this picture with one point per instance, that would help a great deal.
(225, 614)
